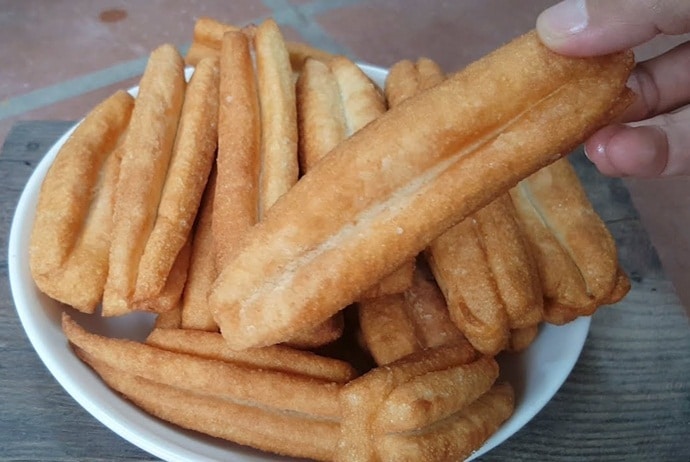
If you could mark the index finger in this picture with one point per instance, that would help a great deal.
(598, 27)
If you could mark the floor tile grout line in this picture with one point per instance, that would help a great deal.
(299, 17)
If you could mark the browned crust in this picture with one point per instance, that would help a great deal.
(208, 35)
(147, 151)
(70, 238)
(192, 158)
(575, 253)
(357, 215)
(239, 140)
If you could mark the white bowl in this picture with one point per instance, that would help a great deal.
(536, 373)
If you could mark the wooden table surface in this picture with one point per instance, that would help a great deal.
(628, 397)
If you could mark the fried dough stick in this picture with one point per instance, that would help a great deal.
(483, 264)
(335, 100)
(263, 428)
(361, 399)
(454, 438)
(208, 35)
(192, 159)
(576, 255)
(395, 326)
(70, 238)
(147, 151)
(276, 357)
(194, 312)
(435, 395)
(382, 195)
(236, 198)
(279, 390)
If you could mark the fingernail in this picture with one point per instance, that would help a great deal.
(562, 20)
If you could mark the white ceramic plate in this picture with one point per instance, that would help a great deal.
(536, 373)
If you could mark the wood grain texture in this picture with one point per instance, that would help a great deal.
(628, 397)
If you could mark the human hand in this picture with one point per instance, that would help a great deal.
(653, 137)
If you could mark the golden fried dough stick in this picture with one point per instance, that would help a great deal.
(323, 334)
(435, 395)
(427, 309)
(455, 437)
(335, 100)
(236, 197)
(387, 330)
(576, 255)
(285, 433)
(169, 297)
(147, 151)
(406, 78)
(361, 399)
(521, 339)
(192, 158)
(483, 265)
(171, 319)
(208, 35)
(280, 390)
(70, 238)
(194, 312)
(382, 195)
(395, 326)
(275, 358)
(276, 87)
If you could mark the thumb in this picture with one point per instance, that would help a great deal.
(596, 27)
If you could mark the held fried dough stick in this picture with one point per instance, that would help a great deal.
(576, 255)
(335, 100)
(192, 158)
(285, 433)
(70, 238)
(147, 151)
(483, 264)
(385, 193)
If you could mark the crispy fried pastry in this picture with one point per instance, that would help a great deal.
(236, 198)
(406, 78)
(208, 35)
(454, 438)
(192, 158)
(276, 357)
(362, 398)
(334, 101)
(433, 396)
(70, 238)
(394, 326)
(194, 312)
(575, 253)
(276, 389)
(385, 193)
(286, 433)
(147, 151)
(483, 264)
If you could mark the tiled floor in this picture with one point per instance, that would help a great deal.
(59, 57)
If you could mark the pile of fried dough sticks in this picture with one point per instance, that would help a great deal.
(280, 211)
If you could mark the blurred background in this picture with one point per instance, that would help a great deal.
(58, 58)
